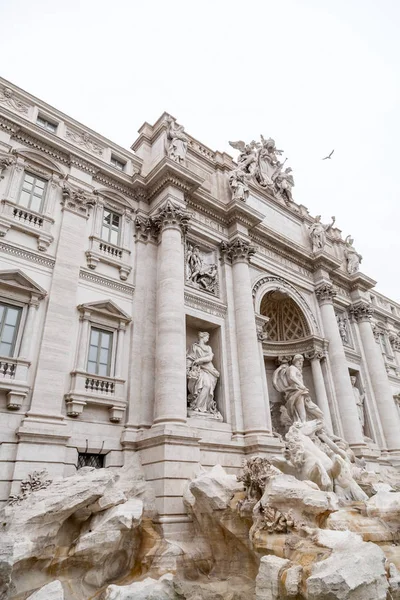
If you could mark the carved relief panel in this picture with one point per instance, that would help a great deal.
(201, 268)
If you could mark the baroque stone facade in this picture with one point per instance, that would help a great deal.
(170, 304)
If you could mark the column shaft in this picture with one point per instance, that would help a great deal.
(83, 344)
(341, 379)
(119, 353)
(320, 391)
(170, 385)
(384, 399)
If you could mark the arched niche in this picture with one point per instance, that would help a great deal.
(278, 290)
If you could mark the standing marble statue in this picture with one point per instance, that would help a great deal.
(284, 183)
(317, 233)
(288, 379)
(342, 325)
(353, 259)
(238, 183)
(359, 398)
(202, 377)
(177, 141)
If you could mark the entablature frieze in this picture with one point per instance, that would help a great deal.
(205, 303)
(170, 173)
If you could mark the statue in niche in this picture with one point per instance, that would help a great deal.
(288, 379)
(284, 183)
(342, 324)
(238, 183)
(202, 377)
(198, 273)
(353, 259)
(359, 398)
(177, 141)
(317, 233)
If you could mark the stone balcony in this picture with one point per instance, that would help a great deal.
(18, 217)
(102, 251)
(14, 380)
(87, 389)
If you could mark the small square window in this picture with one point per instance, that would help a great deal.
(117, 164)
(45, 124)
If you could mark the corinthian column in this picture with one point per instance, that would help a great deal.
(251, 385)
(340, 372)
(361, 312)
(170, 381)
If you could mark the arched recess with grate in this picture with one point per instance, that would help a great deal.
(265, 284)
(286, 320)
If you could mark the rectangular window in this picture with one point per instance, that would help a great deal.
(86, 459)
(10, 317)
(32, 192)
(111, 227)
(100, 348)
(48, 125)
(117, 164)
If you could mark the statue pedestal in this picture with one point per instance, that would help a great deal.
(204, 415)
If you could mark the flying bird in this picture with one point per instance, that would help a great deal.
(329, 155)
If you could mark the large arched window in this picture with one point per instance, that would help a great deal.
(286, 320)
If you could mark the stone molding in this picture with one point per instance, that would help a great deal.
(325, 293)
(172, 216)
(237, 251)
(311, 346)
(27, 255)
(315, 354)
(361, 311)
(106, 282)
(394, 339)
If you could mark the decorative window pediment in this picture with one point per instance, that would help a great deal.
(106, 309)
(20, 286)
(40, 161)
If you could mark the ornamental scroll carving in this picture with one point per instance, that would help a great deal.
(83, 139)
(8, 98)
(5, 163)
(77, 201)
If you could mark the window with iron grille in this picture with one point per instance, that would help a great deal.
(87, 459)
(32, 192)
(100, 349)
(10, 317)
(111, 227)
(48, 125)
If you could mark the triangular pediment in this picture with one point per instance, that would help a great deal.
(107, 308)
(17, 280)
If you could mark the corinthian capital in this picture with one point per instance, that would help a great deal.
(325, 293)
(238, 250)
(77, 201)
(172, 216)
(5, 162)
(361, 311)
(146, 229)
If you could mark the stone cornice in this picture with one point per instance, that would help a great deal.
(196, 300)
(107, 282)
(357, 281)
(168, 172)
(27, 254)
(323, 260)
(240, 212)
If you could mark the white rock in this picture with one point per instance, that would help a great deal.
(51, 591)
(292, 581)
(6, 563)
(148, 589)
(384, 504)
(268, 580)
(354, 571)
(216, 487)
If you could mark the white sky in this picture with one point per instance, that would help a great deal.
(313, 74)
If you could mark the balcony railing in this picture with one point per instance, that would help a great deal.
(102, 251)
(102, 386)
(88, 389)
(13, 215)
